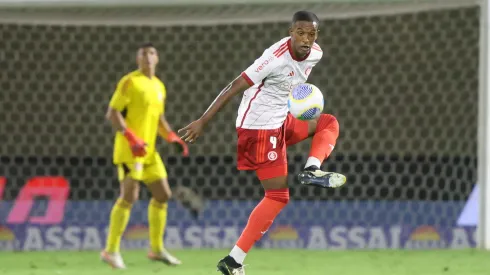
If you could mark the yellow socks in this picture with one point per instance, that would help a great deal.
(119, 220)
(157, 220)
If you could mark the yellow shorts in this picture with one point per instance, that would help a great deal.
(146, 172)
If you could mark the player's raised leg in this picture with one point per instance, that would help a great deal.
(157, 212)
(325, 131)
(118, 221)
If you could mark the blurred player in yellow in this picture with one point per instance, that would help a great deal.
(136, 112)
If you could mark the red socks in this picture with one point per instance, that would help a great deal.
(262, 217)
(326, 134)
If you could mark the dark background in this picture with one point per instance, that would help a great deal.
(403, 87)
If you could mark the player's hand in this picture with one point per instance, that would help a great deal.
(139, 149)
(192, 131)
(138, 146)
(182, 146)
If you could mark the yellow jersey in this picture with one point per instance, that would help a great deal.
(141, 100)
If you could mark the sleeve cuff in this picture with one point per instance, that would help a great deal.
(116, 107)
(249, 81)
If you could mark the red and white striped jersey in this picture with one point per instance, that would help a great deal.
(265, 104)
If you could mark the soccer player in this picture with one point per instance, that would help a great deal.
(265, 129)
(136, 112)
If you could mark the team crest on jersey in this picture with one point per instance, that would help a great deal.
(285, 85)
(272, 155)
(308, 71)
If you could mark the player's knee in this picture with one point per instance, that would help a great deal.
(130, 196)
(280, 195)
(167, 195)
(129, 190)
(327, 121)
(121, 202)
(160, 190)
(163, 197)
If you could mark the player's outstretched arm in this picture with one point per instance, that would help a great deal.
(170, 136)
(194, 129)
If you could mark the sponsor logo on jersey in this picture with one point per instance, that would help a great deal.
(264, 64)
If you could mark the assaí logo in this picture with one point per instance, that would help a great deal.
(283, 237)
(425, 237)
(62, 238)
(26, 232)
(136, 237)
(7, 238)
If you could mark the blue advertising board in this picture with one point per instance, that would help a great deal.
(302, 224)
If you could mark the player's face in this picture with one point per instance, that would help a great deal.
(147, 58)
(303, 35)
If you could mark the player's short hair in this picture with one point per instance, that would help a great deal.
(146, 45)
(305, 16)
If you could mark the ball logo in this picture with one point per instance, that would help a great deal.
(272, 155)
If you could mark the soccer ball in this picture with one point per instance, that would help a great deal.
(305, 101)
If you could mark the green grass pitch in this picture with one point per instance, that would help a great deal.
(259, 262)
